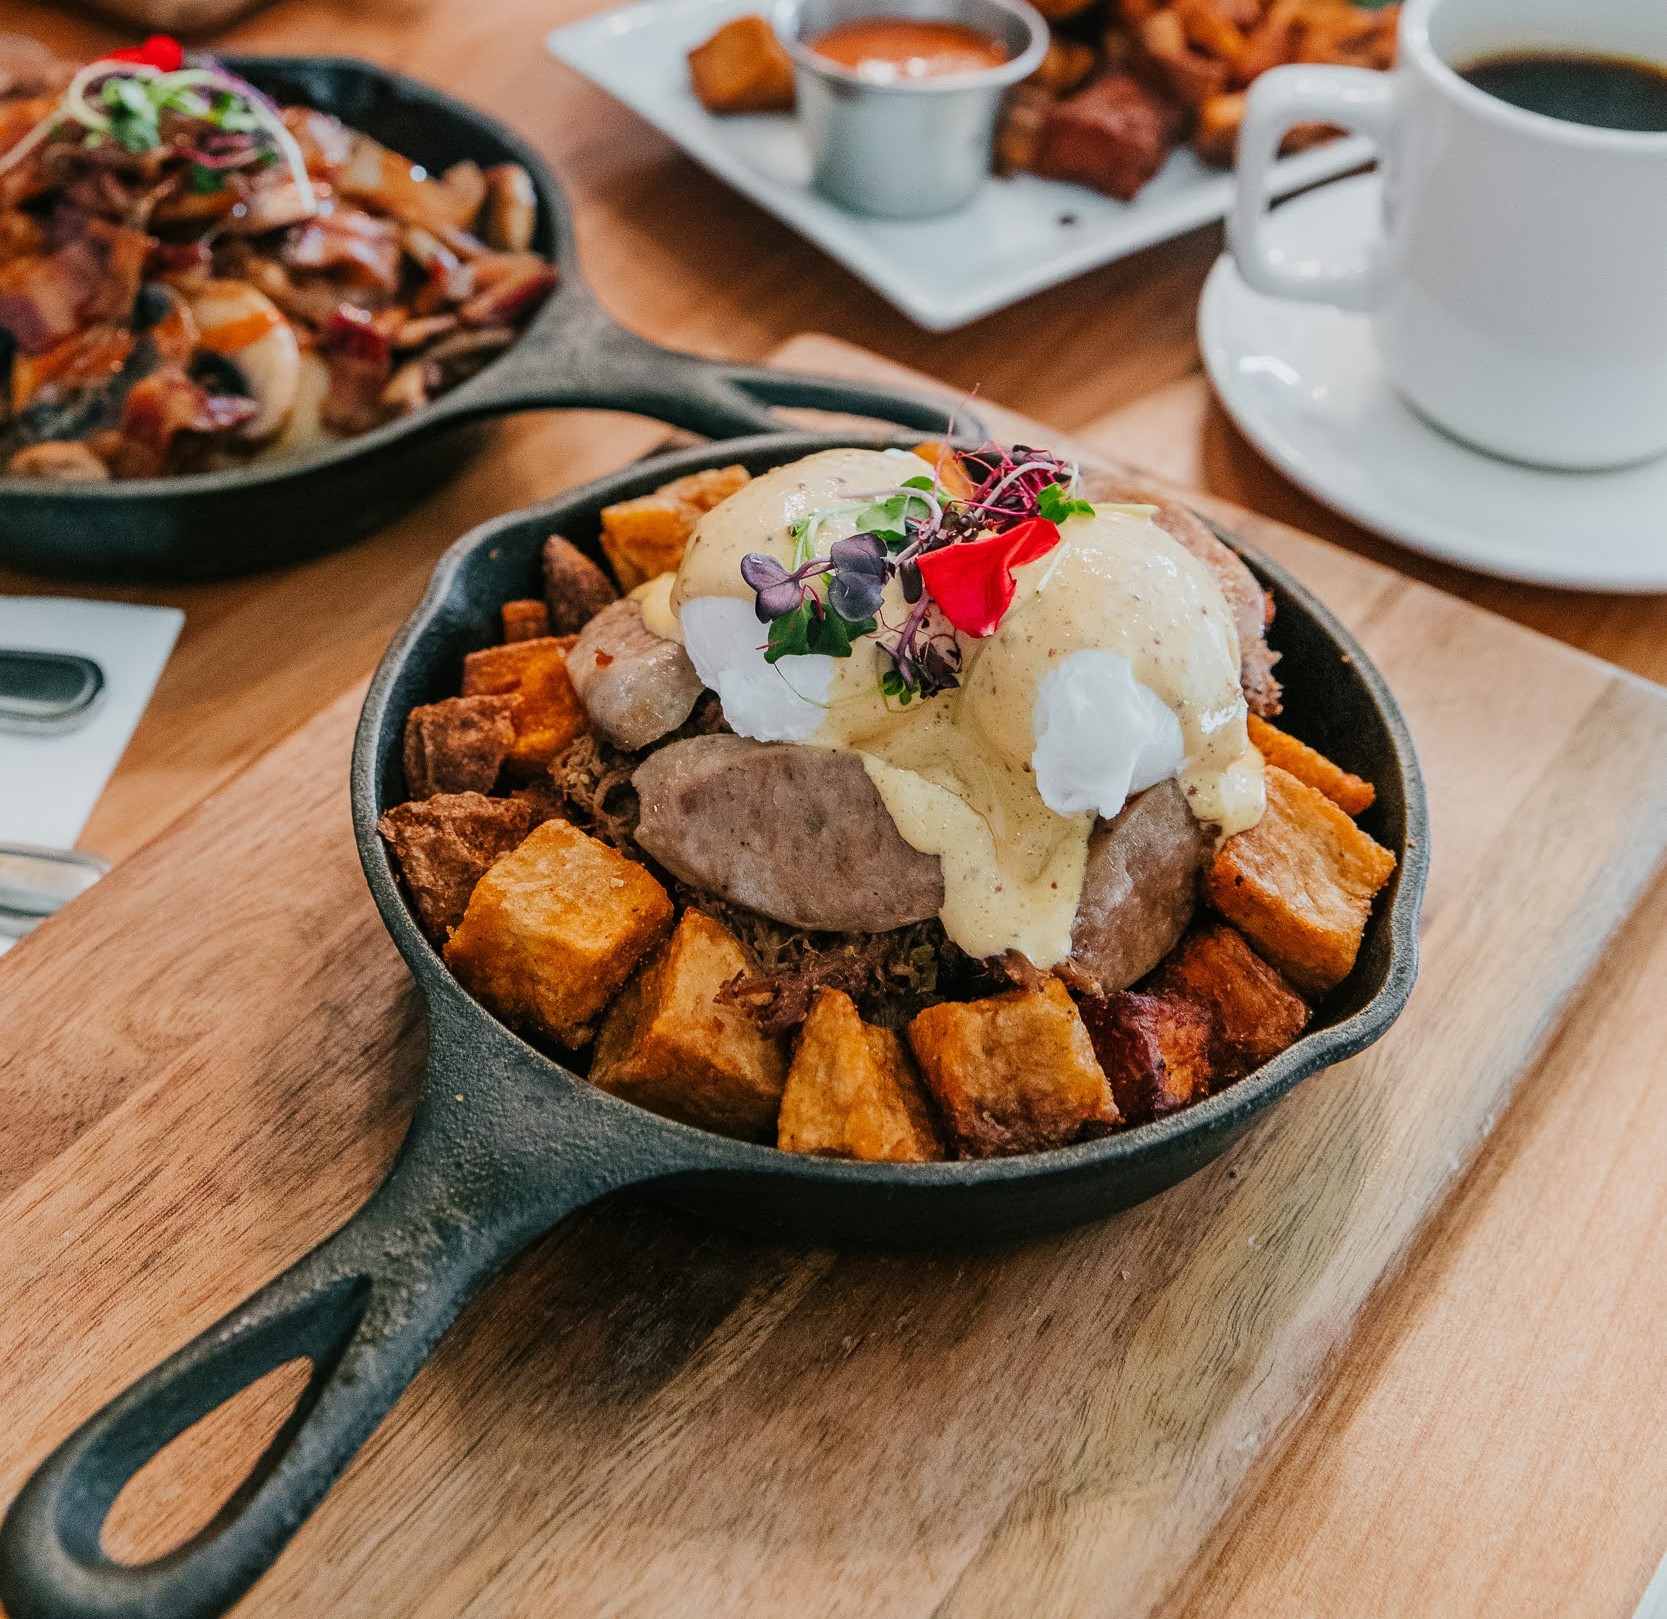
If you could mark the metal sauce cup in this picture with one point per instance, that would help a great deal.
(911, 147)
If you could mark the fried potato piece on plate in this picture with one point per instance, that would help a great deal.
(743, 68)
(1155, 1050)
(527, 620)
(1300, 883)
(1013, 1073)
(444, 845)
(1350, 793)
(548, 715)
(1254, 1013)
(458, 745)
(668, 1044)
(645, 537)
(575, 589)
(554, 929)
(853, 1091)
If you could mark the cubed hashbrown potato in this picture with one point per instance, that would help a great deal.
(743, 68)
(1254, 1013)
(554, 928)
(549, 714)
(1013, 1073)
(853, 1091)
(668, 1044)
(445, 844)
(1300, 883)
(458, 745)
(525, 620)
(645, 537)
(1349, 792)
(1155, 1050)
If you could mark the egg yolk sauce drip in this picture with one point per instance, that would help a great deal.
(995, 743)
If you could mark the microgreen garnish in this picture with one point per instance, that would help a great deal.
(147, 99)
(952, 558)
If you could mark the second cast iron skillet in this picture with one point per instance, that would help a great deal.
(505, 1140)
(571, 355)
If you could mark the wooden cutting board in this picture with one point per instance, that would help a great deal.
(207, 1064)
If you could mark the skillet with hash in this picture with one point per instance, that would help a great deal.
(505, 1141)
(572, 355)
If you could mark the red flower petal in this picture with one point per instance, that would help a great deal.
(159, 51)
(972, 583)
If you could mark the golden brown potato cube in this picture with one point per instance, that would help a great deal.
(527, 620)
(1024, 111)
(669, 1045)
(1215, 137)
(1300, 883)
(1254, 1014)
(458, 745)
(853, 1091)
(743, 68)
(1348, 792)
(1155, 1051)
(1189, 74)
(645, 537)
(1068, 66)
(553, 929)
(549, 714)
(1013, 1073)
(444, 846)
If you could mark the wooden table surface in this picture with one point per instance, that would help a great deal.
(1479, 1428)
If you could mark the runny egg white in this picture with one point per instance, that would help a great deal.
(1115, 668)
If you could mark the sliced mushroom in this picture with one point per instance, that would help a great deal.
(245, 327)
(511, 208)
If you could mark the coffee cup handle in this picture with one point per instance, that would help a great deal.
(1357, 98)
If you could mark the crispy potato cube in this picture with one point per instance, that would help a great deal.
(853, 1091)
(1155, 1051)
(575, 589)
(549, 714)
(645, 537)
(1114, 135)
(554, 928)
(527, 620)
(1348, 792)
(1215, 137)
(1024, 110)
(669, 1045)
(1254, 1014)
(444, 846)
(458, 745)
(1300, 883)
(1013, 1073)
(743, 68)
(1068, 66)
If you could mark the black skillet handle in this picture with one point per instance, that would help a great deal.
(475, 1181)
(577, 357)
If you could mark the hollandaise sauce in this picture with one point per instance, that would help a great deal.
(1115, 666)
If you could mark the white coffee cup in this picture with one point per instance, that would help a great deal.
(1518, 290)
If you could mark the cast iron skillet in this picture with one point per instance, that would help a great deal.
(571, 355)
(505, 1141)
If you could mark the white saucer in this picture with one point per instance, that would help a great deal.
(1303, 384)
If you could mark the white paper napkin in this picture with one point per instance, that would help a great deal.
(49, 784)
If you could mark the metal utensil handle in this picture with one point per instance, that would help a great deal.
(580, 358)
(365, 1307)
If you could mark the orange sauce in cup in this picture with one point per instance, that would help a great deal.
(886, 49)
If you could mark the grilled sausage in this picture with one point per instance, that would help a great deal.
(635, 685)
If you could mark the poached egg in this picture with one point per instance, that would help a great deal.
(1115, 667)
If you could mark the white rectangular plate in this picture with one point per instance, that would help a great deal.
(1018, 236)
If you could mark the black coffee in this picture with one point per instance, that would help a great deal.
(1608, 92)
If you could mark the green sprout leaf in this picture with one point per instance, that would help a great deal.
(1055, 504)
